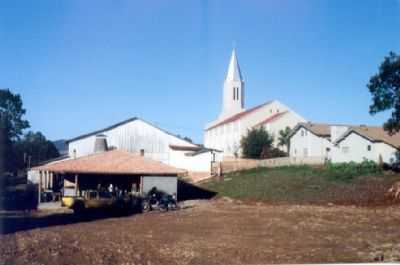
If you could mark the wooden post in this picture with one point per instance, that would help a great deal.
(76, 184)
(46, 180)
(39, 185)
(141, 185)
(51, 180)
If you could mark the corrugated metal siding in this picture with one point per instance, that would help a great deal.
(167, 184)
(132, 137)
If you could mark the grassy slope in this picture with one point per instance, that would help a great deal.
(304, 185)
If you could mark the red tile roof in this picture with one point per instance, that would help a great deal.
(111, 162)
(238, 116)
(272, 118)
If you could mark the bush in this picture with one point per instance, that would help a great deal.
(347, 171)
(256, 140)
(272, 153)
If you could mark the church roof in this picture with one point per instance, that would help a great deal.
(272, 118)
(234, 73)
(238, 116)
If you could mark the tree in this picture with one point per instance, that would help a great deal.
(11, 112)
(188, 139)
(385, 89)
(11, 126)
(256, 140)
(34, 148)
(283, 139)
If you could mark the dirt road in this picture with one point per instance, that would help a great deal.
(215, 232)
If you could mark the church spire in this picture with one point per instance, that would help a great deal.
(233, 95)
(234, 73)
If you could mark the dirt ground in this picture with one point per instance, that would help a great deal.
(208, 232)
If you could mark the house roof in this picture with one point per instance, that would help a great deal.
(111, 162)
(272, 118)
(319, 129)
(238, 116)
(374, 134)
(120, 124)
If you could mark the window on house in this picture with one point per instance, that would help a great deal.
(368, 147)
(302, 132)
(234, 93)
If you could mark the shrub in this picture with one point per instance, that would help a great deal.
(272, 153)
(256, 140)
(347, 171)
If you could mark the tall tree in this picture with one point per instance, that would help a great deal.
(11, 126)
(385, 89)
(34, 148)
(255, 142)
(283, 139)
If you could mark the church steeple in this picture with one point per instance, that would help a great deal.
(234, 73)
(233, 98)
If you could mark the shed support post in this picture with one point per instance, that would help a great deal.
(76, 184)
(39, 185)
(141, 185)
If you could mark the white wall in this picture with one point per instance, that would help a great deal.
(132, 137)
(196, 163)
(355, 148)
(337, 131)
(168, 184)
(387, 152)
(306, 144)
(227, 136)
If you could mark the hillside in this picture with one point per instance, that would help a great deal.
(307, 185)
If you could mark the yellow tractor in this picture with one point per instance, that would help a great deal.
(93, 199)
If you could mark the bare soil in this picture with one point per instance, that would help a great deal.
(221, 231)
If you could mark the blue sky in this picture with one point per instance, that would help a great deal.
(84, 65)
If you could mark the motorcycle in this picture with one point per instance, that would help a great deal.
(158, 200)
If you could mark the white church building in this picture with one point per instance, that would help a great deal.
(235, 120)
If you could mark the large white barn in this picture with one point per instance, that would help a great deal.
(234, 121)
(344, 143)
(138, 136)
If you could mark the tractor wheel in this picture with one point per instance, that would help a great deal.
(78, 207)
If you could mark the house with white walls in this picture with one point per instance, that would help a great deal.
(366, 142)
(235, 120)
(344, 143)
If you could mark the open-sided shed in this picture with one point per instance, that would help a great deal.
(124, 170)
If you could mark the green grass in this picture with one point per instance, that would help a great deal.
(302, 184)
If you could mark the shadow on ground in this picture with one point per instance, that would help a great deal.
(11, 222)
(188, 191)
(20, 221)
